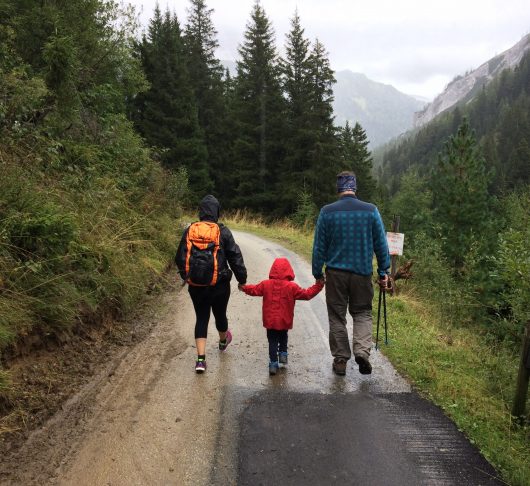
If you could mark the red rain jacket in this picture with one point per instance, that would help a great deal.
(280, 294)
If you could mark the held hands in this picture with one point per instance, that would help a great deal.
(321, 280)
(240, 287)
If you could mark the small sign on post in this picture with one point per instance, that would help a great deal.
(395, 248)
(395, 243)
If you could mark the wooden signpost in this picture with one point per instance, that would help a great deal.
(521, 392)
(395, 244)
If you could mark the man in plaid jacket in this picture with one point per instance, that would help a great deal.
(347, 234)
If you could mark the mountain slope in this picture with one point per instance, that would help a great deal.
(382, 110)
(500, 117)
(464, 88)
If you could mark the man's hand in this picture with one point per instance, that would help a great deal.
(384, 282)
(321, 280)
(240, 287)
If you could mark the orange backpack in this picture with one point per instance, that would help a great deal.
(202, 247)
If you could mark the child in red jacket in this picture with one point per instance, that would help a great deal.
(280, 294)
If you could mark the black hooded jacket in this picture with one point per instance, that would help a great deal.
(229, 253)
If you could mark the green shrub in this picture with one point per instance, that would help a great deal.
(433, 277)
(21, 98)
(512, 264)
(306, 211)
(82, 239)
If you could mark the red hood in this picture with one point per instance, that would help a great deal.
(281, 270)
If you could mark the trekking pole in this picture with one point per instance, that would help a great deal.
(379, 318)
(382, 297)
(384, 314)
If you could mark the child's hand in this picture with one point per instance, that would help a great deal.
(240, 287)
(321, 280)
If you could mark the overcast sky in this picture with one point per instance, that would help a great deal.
(418, 46)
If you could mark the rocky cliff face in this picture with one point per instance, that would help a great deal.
(464, 88)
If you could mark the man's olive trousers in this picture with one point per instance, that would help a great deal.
(346, 291)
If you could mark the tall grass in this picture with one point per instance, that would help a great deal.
(84, 232)
(299, 238)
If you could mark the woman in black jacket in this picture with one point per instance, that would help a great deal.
(213, 297)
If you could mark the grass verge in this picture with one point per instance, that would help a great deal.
(471, 378)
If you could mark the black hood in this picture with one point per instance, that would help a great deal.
(209, 209)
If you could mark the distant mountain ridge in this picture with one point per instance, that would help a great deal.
(463, 88)
(382, 110)
(499, 118)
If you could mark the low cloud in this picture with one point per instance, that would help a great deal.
(411, 43)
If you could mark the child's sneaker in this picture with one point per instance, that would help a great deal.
(200, 366)
(283, 357)
(273, 367)
(224, 344)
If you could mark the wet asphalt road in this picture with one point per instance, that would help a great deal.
(354, 439)
(153, 421)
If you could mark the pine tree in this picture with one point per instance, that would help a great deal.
(206, 73)
(297, 88)
(512, 139)
(166, 115)
(356, 157)
(460, 195)
(413, 203)
(323, 156)
(295, 70)
(259, 111)
(226, 178)
(200, 39)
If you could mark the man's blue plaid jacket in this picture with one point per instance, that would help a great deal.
(348, 233)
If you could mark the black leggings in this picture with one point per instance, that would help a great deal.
(277, 342)
(206, 298)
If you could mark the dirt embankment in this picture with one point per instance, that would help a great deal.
(45, 371)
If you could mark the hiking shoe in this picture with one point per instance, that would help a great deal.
(200, 366)
(339, 366)
(224, 344)
(365, 368)
(283, 357)
(273, 367)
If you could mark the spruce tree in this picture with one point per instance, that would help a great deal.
(296, 83)
(166, 114)
(259, 111)
(295, 69)
(206, 73)
(226, 178)
(356, 157)
(323, 162)
(205, 70)
(460, 195)
(512, 140)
